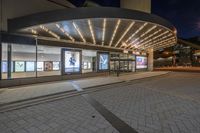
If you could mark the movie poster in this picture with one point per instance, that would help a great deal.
(30, 66)
(56, 65)
(141, 62)
(48, 65)
(103, 61)
(72, 61)
(19, 66)
(4, 66)
(40, 66)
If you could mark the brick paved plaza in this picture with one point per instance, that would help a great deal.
(163, 104)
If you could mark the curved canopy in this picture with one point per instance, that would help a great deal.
(102, 27)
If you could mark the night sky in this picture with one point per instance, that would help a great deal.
(183, 14)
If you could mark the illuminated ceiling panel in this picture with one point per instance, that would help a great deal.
(113, 33)
(114, 28)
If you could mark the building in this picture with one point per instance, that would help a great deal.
(46, 40)
(185, 53)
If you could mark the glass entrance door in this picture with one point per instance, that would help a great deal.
(125, 66)
(122, 66)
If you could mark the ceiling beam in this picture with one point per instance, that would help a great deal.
(114, 32)
(91, 31)
(126, 31)
(137, 31)
(79, 32)
(49, 32)
(103, 31)
(60, 43)
(65, 32)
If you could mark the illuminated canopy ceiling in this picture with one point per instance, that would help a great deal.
(102, 27)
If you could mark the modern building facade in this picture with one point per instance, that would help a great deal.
(45, 41)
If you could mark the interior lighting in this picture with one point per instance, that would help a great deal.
(104, 30)
(79, 32)
(49, 31)
(91, 31)
(115, 31)
(126, 31)
(65, 32)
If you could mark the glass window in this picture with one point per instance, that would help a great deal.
(114, 56)
(23, 60)
(4, 65)
(88, 61)
(49, 60)
(123, 56)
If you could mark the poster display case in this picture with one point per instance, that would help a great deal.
(56, 65)
(103, 61)
(4, 66)
(48, 66)
(141, 62)
(19, 66)
(30, 66)
(40, 66)
(72, 61)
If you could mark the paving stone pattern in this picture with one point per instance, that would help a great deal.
(151, 110)
(72, 115)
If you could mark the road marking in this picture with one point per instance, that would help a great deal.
(76, 86)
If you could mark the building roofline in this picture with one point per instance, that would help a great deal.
(84, 13)
(188, 43)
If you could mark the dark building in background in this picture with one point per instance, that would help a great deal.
(182, 54)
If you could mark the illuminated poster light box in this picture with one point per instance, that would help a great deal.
(4, 66)
(19, 66)
(30, 66)
(141, 62)
(56, 65)
(72, 61)
(40, 66)
(103, 61)
(48, 65)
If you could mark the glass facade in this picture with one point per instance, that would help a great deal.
(122, 62)
(89, 61)
(24, 61)
(48, 60)
(4, 65)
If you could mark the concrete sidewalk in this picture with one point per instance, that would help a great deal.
(13, 94)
